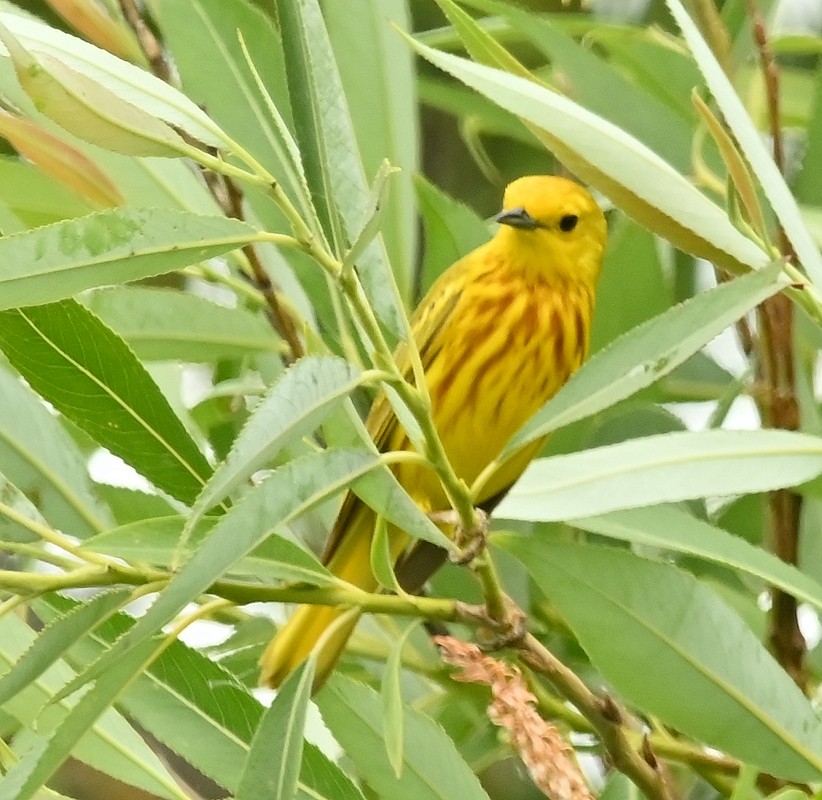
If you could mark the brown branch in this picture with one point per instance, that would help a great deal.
(280, 319)
(606, 716)
(149, 43)
(225, 191)
(778, 402)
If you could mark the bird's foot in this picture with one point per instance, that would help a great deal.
(497, 634)
(471, 542)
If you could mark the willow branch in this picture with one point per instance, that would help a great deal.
(778, 402)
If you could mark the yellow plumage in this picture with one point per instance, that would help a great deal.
(498, 334)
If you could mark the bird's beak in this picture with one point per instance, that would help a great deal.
(517, 218)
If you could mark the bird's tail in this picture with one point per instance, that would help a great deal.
(350, 560)
(299, 636)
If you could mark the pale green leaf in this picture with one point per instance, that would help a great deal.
(660, 469)
(110, 247)
(432, 768)
(130, 83)
(273, 764)
(730, 692)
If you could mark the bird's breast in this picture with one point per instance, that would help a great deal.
(507, 348)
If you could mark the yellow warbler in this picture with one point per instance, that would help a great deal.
(498, 333)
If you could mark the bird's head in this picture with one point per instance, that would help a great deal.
(554, 227)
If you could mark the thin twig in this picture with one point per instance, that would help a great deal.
(606, 716)
(226, 192)
(148, 41)
(778, 404)
(278, 316)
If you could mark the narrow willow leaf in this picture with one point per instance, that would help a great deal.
(40, 761)
(57, 637)
(130, 83)
(161, 325)
(155, 541)
(293, 407)
(595, 84)
(635, 178)
(35, 198)
(61, 160)
(391, 693)
(331, 158)
(432, 769)
(94, 23)
(16, 510)
(730, 693)
(243, 45)
(750, 142)
(184, 699)
(381, 85)
(287, 493)
(83, 107)
(110, 745)
(88, 373)
(39, 457)
(273, 765)
(372, 225)
(110, 247)
(673, 529)
(380, 490)
(650, 351)
(661, 469)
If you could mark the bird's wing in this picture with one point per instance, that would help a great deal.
(427, 324)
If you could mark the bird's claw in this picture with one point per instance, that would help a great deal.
(496, 634)
(471, 542)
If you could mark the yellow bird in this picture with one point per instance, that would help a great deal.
(498, 334)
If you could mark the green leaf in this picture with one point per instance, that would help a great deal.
(163, 325)
(155, 541)
(35, 197)
(331, 159)
(730, 693)
(292, 408)
(673, 529)
(750, 142)
(649, 351)
(289, 492)
(82, 106)
(273, 765)
(110, 745)
(225, 85)
(634, 177)
(110, 247)
(57, 637)
(602, 89)
(432, 769)
(391, 694)
(189, 703)
(380, 84)
(46, 754)
(632, 259)
(380, 490)
(661, 469)
(39, 457)
(89, 374)
(16, 510)
(130, 83)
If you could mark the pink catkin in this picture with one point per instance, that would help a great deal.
(548, 757)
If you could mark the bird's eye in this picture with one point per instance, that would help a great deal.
(568, 222)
